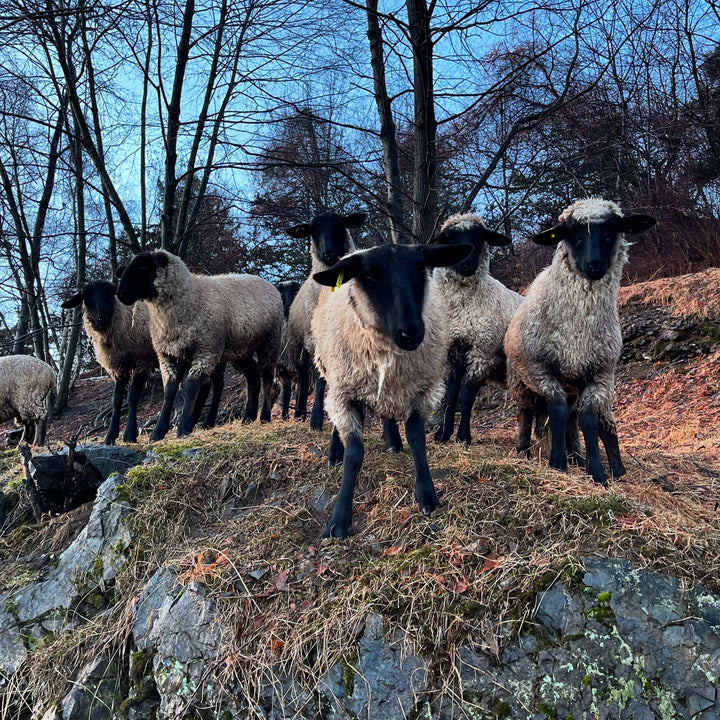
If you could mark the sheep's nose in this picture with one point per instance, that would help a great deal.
(330, 258)
(411, 338)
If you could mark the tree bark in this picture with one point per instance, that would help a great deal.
(424, 191)
(394, 210)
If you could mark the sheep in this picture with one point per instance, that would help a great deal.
(285, 368)
(198, 322)
(25, 382)
(121, 339)
(565, 338)
(330, 240)
(479, 311)
(381, 341)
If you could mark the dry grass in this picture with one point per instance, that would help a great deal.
(244, 517)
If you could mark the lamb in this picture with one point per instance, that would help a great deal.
(330, 240)
(25, 382)
(565, 338)
(199, 322)
(381, 341)
(121, 339)
(285, 368)
(479, 309)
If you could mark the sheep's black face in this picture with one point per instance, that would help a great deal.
(478, 237)
(394, 280)
(288, 290)
(593, 245)
(99, 299)
(99, 303)
(329, 234)
(137, 281)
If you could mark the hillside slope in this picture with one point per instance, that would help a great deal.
(531, 593)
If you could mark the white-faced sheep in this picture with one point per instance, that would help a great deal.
(330, 240)
(198, 322)
(285, 366)
(479, 310)
(121, 339)
(565, 339)
(25, 382)
(381, 341)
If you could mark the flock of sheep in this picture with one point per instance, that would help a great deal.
(394, 328)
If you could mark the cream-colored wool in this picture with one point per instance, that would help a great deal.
(299, 332)
(567, 329)
(125, 347)
(205, 320)
(25, 382)
(361, 363)
(479, 310)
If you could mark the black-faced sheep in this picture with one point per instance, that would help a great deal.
(25, 382)
(479, 310)
(285, 367)
(198, 322)
(330, 240)
(121, 339)
(381, 341)
(565, 339)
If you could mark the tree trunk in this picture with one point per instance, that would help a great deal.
(424, 190)
(398, 231)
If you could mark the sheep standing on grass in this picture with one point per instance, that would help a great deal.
(565, 339)
(121, 339)
(25, 382)
(330, 240)
(479, 310)
(285, 367)
(199, 322)
(381, 340)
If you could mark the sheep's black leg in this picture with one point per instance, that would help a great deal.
(218, 383)
(452, 390)
(268, 377)
(527, 407)
(286, 394)
(40, 430)
(391, 436)
(558, 411)
(191, 392)
(589, 425)
(572, 436)
(542, 420)
(318, 411)
(336, 449)
(304, 380)
(252, 376)
(202, 397)
(424, 489)
(136, 388)
(339, 525)
(608, 435)
(118, 396)
(467, 400)
(171, 388)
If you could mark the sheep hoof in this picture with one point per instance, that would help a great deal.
(336, 529)
(394, 450)
(441, 436)
(576, 459)
(464, 437)
(558, 463)
(524, 450)
(617, 470)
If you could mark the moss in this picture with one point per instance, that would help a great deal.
(586, 680)
(20, 533)
(600, 508)
(547, 710)
(124, 493)
(98, 568)
(140, 670)
(11, 607)
(348, 678)
(501, 711)
(602, 612)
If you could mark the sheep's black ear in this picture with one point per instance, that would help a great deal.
(340, 272)
(439, 239)
(445, 255)
(120, 270)
(161, 259)
(552, 236)
(299, 231)
(634, 224)
(72, 302)
(496, 239)
(355, 220)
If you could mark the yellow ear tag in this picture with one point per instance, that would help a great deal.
(339, 281)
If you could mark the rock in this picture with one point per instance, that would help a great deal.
(161, 586)
(95, 694)
(12, 648)
(109, 459)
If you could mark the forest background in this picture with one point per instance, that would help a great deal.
(208, 127)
